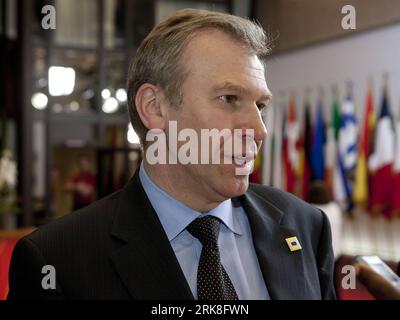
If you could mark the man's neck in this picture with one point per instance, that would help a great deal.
(170, 180)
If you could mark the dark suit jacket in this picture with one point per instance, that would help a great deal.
(116, 248)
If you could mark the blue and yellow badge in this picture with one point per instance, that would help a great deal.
(293, 244)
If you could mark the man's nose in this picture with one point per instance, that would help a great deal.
(255, 122)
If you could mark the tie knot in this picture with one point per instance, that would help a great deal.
(205, 229)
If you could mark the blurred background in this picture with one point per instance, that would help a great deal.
(334, 124)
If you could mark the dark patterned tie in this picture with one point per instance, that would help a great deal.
(213, 282)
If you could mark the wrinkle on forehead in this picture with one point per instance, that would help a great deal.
(214, 56)
(233, 64)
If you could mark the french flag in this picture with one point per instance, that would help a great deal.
(381, 161)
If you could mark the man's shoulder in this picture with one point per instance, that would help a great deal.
(278, 197)
(79, 246)
(87, 225)
(291, 207)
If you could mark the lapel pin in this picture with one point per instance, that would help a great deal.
(293, 243)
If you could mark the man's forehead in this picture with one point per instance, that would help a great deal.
(216, 46)
(215, 52)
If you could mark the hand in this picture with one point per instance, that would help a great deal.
(84, 189)
(377, 285)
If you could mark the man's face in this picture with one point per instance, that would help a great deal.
(84, 164)
(225, 89)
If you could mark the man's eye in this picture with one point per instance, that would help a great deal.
(261, 107)
(228, 98)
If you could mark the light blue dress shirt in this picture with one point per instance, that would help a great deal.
(237, 251)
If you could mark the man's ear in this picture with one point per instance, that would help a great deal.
(148, 101)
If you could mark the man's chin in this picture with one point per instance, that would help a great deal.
(239, 186)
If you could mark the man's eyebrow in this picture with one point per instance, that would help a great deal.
(228, 85)
(238, 88)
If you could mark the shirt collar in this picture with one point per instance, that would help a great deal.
(176, 216)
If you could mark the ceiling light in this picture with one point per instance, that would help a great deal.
(121, 95)
(61, 81)
(39, 101)
(105, 93)
(110, 105)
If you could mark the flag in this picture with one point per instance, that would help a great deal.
(284, 157)
(330, 160)
(360, 192)
(396, 174)
(302, 172)
(332, 132)
(307, 140)
(268, 150)
(338, 183)
(348, 148)
(291, 149)
(256, 175)
(277, 147)
(381, 161)
(317, 148)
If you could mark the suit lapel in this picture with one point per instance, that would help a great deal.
(282, 269)
(145, 262)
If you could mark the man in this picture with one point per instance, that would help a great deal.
(188, 230)
(82, 185)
